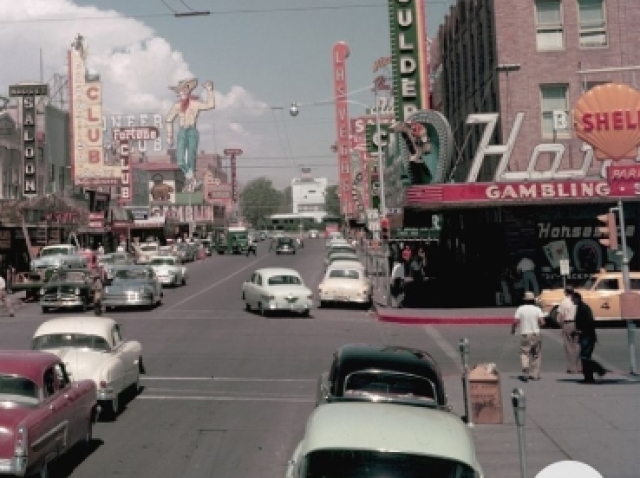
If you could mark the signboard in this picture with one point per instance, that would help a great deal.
(340, 55)
(139, 120)
(28, 94)
(122, 138)
(565, 269)
(234, 171)
(372, 137)
(87, 140)
(409, 57)
(96, 220)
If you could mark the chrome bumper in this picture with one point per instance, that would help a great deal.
(344, 298)
(62, 302)
(106, 394)
(167, 280)
(295, 306)
(123, 301)
(16, 466)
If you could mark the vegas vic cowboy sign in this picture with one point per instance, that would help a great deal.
(186, 109)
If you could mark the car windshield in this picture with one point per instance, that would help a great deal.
(285, 240)
(67, 276)
(344, 274)
(127, 274)
(162, 261)
(343, 250)
(52, 251)
(390, 385)
(284, 280)
(149, 248)
(344, 258)
(18, 389)
(74, 341)
(367, 464)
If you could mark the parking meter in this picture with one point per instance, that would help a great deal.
(519, 409)
(464, 351)
(464, 355)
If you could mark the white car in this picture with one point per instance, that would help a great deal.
(334, 236)
(345, 284)
(145, 251)
(92, 348)
(384, 439)
(169, 270)
(277, 289)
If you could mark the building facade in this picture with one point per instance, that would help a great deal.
(492, 57)
(10, 157)
(308, 196)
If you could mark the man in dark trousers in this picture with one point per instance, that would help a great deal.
(586, 330)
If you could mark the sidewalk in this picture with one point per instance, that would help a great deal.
(470, 316)
(565, 420)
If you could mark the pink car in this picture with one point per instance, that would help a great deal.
(42, 413)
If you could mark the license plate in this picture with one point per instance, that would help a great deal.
(342, 298)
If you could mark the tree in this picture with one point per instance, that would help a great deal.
(332, 201)
(259, 199)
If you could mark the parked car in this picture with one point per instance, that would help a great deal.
(277, 289)
(42, 414)
(382, 439)
(94, 349)
(383, 374)
(345, 284)
(132, 286)
(145, 251)
(285, 245)
(601, 293)
(169, 270)
(67, 288)
(334, 236)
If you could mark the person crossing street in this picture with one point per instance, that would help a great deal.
(252, 247)
(4, 298)
(528, 318)
(567, 320)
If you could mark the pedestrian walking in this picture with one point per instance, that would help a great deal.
(4, 298)
(97, 287)
(567, 321)
(252, 247)
(406, 258)
(586, 330)
(397, 283)
(527, 268)
(11, 276)
(528, 318)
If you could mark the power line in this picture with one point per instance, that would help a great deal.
(247, 11)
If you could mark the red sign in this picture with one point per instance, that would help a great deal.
(96, 220)
(340, 55)
(553, 192)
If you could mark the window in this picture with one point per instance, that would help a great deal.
(554, 98)
(549, 27)
(593, 24)
(116, 336)
(608, 284)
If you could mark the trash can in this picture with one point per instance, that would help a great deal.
(486, 394)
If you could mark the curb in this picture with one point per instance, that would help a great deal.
(440, 320)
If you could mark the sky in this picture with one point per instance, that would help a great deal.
(262, 55)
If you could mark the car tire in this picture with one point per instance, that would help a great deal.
(88, 436)
(45, 310)
(184, 281)
(306, 313)
(247, 306)
(322, 304)
(112, 407)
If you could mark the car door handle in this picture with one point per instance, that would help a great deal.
(605, 306)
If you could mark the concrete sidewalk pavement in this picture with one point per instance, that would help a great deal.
(565, 420)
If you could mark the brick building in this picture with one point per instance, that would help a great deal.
(525, 56)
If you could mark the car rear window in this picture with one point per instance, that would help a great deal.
(390, 385)
(344, 274)
(284, 280)
(76, 341)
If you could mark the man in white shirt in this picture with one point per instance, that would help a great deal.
(4, 298)
(527, 268)
(567, 320)
(397, 281)
(528, 318)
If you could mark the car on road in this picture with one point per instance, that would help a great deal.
(169, 270)
(132, 286)
(601, 292)
(42, 413)
(67, 288)
(285, 245)
(145, 251)
(314, 234)
(342, 251)
(333, 236)
(345, 284)
(186, 253)
(277, 290)
(58, 256)
(94, 349)
(383, 374)
(383, 440)
(341, 257)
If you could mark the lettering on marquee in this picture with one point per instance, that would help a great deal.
(548, 231)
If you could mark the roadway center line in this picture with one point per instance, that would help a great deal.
(217, 283)
(226, 399)
(444, 345)
(229, 379)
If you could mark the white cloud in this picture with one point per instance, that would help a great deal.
(136, 65)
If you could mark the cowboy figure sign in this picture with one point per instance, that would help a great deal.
(186, 109)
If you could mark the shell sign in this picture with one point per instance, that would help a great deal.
(608, 118)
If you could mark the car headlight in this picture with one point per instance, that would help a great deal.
(77, 291)
(41, 292)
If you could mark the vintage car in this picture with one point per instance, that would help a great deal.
(94, 349)
(67, 288)
(132, 286)
(186, 253)
(342, 257)
(314, 234)
(384, 440)
(169, 270)
(342, 251)
(383, 374)
(601, 293)
(208, 246)
(58, 256)
(277, 289)
(42, 413)
(345, 284)
(285, 245)
(145, 251)
(334, 236)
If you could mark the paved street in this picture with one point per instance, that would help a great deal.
(228, 392)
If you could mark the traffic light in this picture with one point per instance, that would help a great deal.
(610, 231)
(384, 229)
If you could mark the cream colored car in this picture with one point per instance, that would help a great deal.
(345, 283)
(601, 293)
